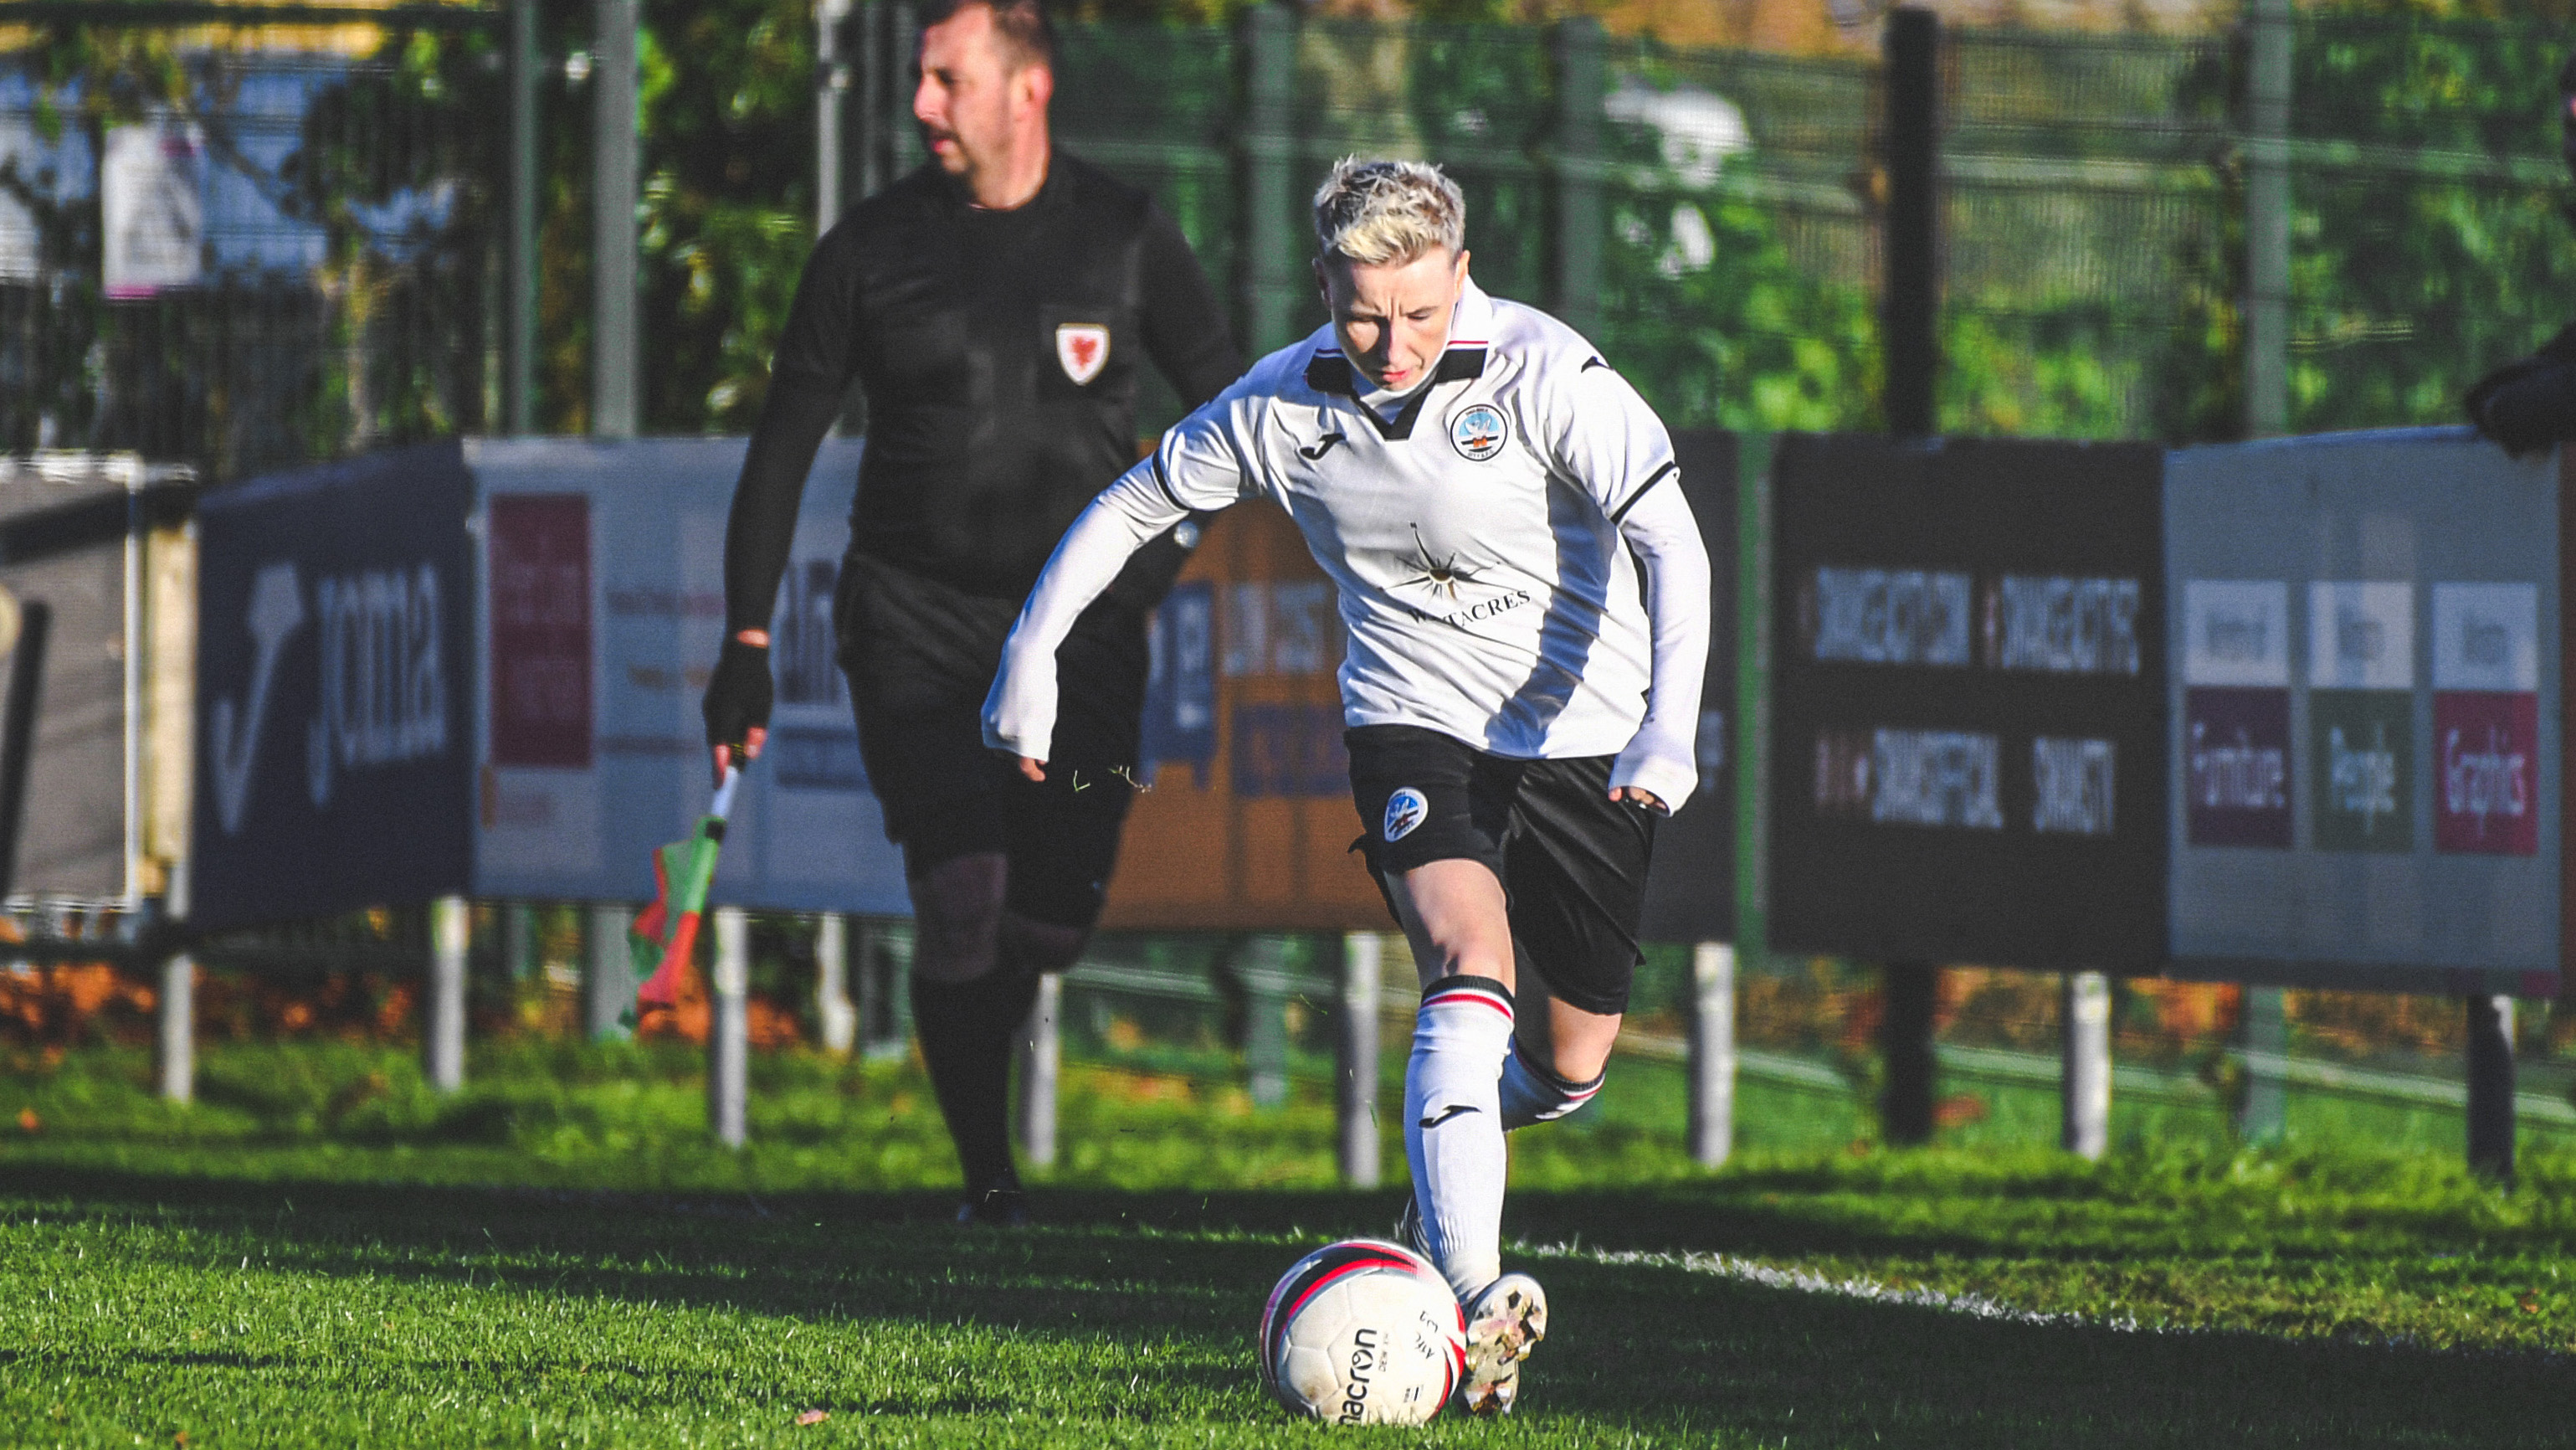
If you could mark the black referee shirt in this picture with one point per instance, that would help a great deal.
(1000, 355)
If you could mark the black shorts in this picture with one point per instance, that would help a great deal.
(1572, 861)
(920, 657)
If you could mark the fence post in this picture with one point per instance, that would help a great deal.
(832, 983)
(903, 39)
(175, 1010)
(1581, 91)
(518, 941)
(2084, 1064)
(1267, 248)
(519, 342)
(2491, 1087)
(1712, 1053)
(1910, 247)
(1355, 1106)
(831, 90)
(1266, 984)
(2265, 1027)
(442, 1036)
(1040, 1052)
(608, 988)
(2267, 218)
(729, 1028)
(1905, 1046)
(614, 143)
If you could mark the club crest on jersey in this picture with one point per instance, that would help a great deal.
(1404, 811)
(1479, 432)
(1083, 349)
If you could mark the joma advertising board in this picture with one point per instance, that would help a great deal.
(2366, 712)
(334, 689)
(476, 667)
(1967, 692)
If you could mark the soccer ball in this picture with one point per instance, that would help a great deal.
(1363, 1333)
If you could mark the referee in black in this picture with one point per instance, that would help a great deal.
(996, 305)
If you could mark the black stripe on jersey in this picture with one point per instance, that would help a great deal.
(1657, 477)
(1331, 372)
(1164, 483)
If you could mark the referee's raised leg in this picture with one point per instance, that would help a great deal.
(995, 307)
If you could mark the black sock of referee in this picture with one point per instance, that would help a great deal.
(967, 1032)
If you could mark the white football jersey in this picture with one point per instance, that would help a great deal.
(1486, 541)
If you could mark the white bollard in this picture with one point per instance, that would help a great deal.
(1355, 1047)
(175, 1017)
(1712, 1053)
(608, 988)
(442, 1035)
(1041, 1053)
(840, 1020)
(729, 1029)
(2084, 1070)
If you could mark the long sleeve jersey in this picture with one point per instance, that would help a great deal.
(1517, 568)
(1000, 353)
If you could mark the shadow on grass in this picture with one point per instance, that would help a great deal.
(1658, 1350)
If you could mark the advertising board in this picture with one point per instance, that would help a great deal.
(1967, 698)
(334, 684)
(2366, 713)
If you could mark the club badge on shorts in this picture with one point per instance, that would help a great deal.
(1479, 432)
(1404, 811)
(1083, 349)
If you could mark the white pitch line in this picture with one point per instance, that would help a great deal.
(1978, 1306)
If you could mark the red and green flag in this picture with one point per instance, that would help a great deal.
(666, 933)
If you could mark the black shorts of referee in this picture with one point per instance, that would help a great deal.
(920, 656)
(1572, 861)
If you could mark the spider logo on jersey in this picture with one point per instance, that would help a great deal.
(1441, 576)
(1479, 432)
(1404, 810)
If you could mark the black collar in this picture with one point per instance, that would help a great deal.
(1331, 372)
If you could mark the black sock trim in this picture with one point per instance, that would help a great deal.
(1545, 1075)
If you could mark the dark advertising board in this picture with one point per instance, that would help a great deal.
(2366, 713)
(334, 689)
(1967, 749)
(1690, 895)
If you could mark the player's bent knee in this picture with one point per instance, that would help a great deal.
(1040, 946)
(1534, 1093)
(957, 918)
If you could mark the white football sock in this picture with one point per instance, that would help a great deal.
(1532, 1094)
(1453, 1126)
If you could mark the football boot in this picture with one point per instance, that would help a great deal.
(1503, 1323)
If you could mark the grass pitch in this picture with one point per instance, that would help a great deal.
(326, 1260)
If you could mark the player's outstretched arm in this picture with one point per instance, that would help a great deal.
(1019, 713)
(1662, 759)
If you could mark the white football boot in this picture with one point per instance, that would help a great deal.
(1503, 1323)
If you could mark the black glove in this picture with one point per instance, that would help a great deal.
(739, 694)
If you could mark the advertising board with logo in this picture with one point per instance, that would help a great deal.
(334, 689)
(2367, 778)
(605, 604)
(381, 721)
(1967, 697)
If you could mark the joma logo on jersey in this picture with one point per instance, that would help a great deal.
(1083, 350)
(1479, 432)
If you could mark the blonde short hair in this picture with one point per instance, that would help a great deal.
(1378, 212)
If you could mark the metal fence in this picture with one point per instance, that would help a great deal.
(238, 244)
(1713, 217)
